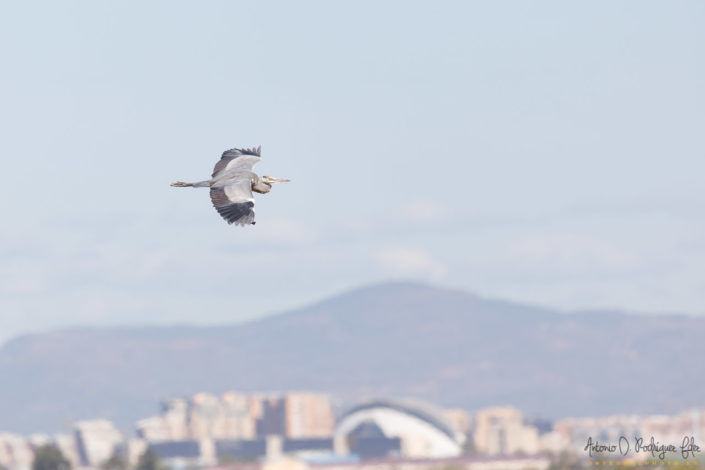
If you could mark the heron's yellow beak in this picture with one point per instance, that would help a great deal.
(277, 180)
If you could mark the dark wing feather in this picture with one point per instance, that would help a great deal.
(239, 213)
(235, 202)
(237, 152)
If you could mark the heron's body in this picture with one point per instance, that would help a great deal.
(232, 183)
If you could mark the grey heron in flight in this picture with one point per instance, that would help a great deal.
(232, 183)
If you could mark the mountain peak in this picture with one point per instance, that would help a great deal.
(393, 339)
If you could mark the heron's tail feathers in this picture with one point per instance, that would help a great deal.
(199, 184)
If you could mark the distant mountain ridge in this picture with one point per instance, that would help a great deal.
(389, 340)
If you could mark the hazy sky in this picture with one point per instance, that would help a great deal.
(543, 152)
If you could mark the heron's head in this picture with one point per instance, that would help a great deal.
(270, 180)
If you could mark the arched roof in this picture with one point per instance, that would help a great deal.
(415, 409)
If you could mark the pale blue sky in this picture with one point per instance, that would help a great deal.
(543, 152)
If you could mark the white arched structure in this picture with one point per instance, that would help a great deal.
(423, 433)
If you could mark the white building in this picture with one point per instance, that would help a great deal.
(501, 431)
(423, 432)
(96, 441)
(15, 452)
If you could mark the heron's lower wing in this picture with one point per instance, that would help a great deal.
(238, 214)
(234, 202)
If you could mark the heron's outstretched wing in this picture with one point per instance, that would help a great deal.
(234, 202)
(238, 159)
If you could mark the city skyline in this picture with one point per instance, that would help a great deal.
(412, 430)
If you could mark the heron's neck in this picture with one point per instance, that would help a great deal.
(260, 186)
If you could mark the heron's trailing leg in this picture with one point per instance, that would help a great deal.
(199, 184)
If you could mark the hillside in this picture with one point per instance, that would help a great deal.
(448, 347)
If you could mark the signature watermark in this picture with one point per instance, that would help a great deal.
(687, 449)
